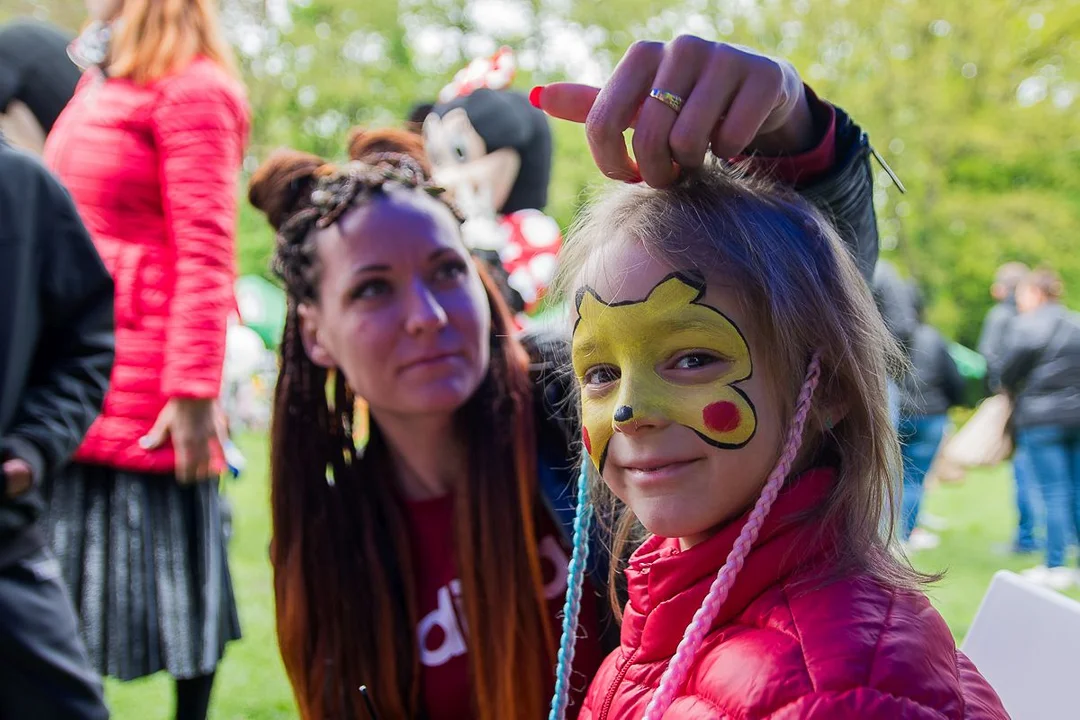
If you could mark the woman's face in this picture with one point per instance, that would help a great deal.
(679, 411)
(401, 309)
(104, 10)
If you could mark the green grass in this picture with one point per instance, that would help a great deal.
(251, 683)
(981, 520)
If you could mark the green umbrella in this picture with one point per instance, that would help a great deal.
(262, 308)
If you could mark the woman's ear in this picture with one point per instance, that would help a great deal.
(310, 321)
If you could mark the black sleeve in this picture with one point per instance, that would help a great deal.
(951, 379)
(74, 359)
(990, 343)
(9, 84)
(1019, 355)
(896, 303)
(845, 194)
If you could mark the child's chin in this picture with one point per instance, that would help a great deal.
(670, 523)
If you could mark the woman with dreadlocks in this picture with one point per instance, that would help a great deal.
(428, 565)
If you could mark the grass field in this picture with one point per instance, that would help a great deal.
(251, 683)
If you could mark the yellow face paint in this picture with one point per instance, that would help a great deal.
(631, 341)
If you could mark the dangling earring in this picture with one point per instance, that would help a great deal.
(829, 424)
(330, 388)
(361, 425)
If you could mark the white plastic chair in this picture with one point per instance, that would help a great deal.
(1025, 640)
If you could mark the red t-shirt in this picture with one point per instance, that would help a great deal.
(443, 644)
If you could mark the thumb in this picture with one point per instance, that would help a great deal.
(564, 100)
(221, 427)
(157, 435)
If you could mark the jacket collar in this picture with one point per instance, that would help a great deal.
(666, 586)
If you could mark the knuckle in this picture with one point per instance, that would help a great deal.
(727, 55)
(644, 49)
(600, 126)
(687, 43)
(770, 71)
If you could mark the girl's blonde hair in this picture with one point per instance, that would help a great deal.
(800, 288)
(157, 37)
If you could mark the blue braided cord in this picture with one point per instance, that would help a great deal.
(572, 608)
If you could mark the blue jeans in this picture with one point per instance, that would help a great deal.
(1053, 452)
(1028, 503)
(920, 436)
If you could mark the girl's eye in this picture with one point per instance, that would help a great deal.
(371, 289)
(693, 361)
(601, 375)
(452, 270)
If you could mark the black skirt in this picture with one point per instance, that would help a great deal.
(145, 561)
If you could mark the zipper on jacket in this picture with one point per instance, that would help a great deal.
(615, 685)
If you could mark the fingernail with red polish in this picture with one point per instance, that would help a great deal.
(534, 96)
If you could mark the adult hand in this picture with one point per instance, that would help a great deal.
(193, 426)
(19, 476)
(734, 100)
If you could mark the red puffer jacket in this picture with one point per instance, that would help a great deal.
(849, 649)
(153, 171)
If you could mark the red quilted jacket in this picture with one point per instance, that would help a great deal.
(153, 171)
(780, 649)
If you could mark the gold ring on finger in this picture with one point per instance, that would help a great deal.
(670, 99)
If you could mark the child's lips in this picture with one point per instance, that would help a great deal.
(658, 470)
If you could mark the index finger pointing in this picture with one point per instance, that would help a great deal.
(565, 101)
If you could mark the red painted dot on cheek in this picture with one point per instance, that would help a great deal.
(588, 442)
(721, 416)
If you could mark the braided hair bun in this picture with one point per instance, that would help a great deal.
(365, 144)
(282, 185)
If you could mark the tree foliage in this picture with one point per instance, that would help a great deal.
(973, 103)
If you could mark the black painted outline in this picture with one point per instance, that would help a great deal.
(698, 285)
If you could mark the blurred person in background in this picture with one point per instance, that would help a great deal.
(931, 386)
(991, 345)
(1040, 369)
(151, 146)
(37, 79)
(56, 352)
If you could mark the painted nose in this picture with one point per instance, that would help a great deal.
(624, 413)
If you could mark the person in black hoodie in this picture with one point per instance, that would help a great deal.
(56, 354)
(1040, 369)
(991, 344)
(932, 385)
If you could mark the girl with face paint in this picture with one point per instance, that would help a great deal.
(732, 370)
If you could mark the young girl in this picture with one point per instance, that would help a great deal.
(732, 371)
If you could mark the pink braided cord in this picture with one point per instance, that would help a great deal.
(679, 667)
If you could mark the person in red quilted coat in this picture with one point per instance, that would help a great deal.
(150, 148)
(732, 368)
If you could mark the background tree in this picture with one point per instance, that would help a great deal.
(974, 104)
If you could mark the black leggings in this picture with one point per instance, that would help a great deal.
(193, 697)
